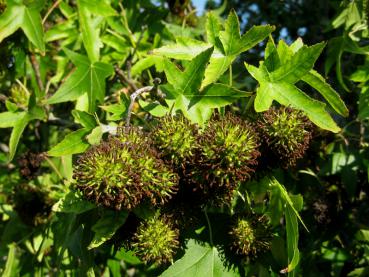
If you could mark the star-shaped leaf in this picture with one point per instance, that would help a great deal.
(226, 40)
(87, 78)
(184, 93)
(284, 66)
(24, 15)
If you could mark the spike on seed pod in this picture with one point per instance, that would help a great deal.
(175, 137)
(156, 240)
(251, 235)
(120, 175)
(287, 132)
(228, 156)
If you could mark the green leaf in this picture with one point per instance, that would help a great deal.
(196, 113)
(299, 65)
(153, 108)
(216, 96)
(292, 230)
(87, 78)
(232, 41)
(116, 111)
(106, 226)
(213, 27)
(364, 103)
(20, 125)
(98, 7)
(286, 198)
(25, 17)
(184, 49)
(289, 95)
(11, 20)
(85, 119)
(9, 119)
(32, 27)
(217, 66)
(317, 81)
(72, 143)
(12, 262)
(188, 81)
(223, 55)
(90, 31)
(72, 203)
(198, 261)
(289, 68)
(146, 63)
(95, 136)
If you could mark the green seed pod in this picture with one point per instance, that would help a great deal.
(287, 133)
(251, 235)
(133, 135)
(175, 138)
(228, 155)
(156, 240)
(120, 174)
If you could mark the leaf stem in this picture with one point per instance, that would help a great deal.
(210, 230)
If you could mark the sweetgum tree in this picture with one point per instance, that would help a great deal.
(142, 140)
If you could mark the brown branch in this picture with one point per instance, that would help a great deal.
(36, 68)
(50, 11)
(136, 94)
(124, 78)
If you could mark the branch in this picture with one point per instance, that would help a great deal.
(36, 68)
(50, 11)
(136, 94)
(124, 78)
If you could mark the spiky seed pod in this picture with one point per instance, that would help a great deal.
(228, 154)
(133, 135)
(121, 174)
(287, 132)
(175, 138)
(156, 240)
(251, 235)
(30, 163)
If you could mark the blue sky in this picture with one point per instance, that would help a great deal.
(199, 4)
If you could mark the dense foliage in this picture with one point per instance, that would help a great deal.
(140, 139)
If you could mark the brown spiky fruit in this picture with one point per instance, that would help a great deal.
(250, 235)
(120, 174)
(156, 240)
(287, 133)
(228, 155)
(30, 163)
